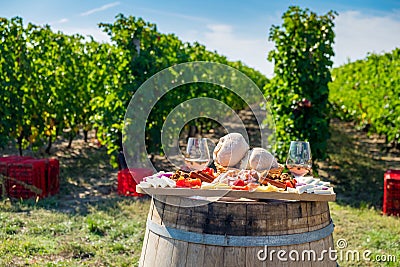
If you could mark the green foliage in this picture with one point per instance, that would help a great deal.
(46, 83)
(54, 84)
(299, 90)
(14, 69)
(146, 52)
(368, 92)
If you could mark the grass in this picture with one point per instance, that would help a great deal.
(88, 224)
(110, 234)
(366, 229)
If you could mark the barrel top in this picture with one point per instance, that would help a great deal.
(218, 193)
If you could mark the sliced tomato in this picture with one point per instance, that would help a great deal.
(235, 187)
(188, 182)
(180, 182)
(194, 182)
(239, 182)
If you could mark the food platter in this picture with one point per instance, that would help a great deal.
(246, 174)
(189, 192)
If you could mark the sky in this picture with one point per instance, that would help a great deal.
(237, 29)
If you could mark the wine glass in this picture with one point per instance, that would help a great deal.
(197, 154)
(299, 158)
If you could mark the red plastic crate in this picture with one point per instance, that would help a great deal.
(4, 164)
(5, 161)
(127, 179)
(52, 176)
(25, 177)
(391, 193)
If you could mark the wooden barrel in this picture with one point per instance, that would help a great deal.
(234, 233)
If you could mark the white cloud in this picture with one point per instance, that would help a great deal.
(102, 8)
(220, 29)
(64, 20)
(251, 51)
(61, 21)
(357, 34)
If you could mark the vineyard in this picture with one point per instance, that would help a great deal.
(58, 91)
(55, 85)
(368, 93)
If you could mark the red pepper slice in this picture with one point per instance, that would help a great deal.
(194, 182)
(209, 171)
(239, 182)
(188, 182)
(289, 184)
(180, 182)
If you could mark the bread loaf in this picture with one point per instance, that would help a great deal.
(230, 149)
(261, 159)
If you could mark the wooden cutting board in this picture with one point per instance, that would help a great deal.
(187, 192)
